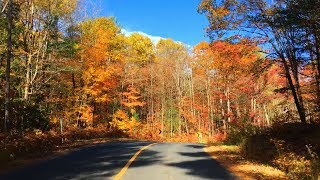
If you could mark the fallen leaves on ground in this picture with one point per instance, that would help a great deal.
(230, 157)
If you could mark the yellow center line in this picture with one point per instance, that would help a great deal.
(125, 168)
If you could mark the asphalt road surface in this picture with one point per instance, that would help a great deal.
(105, 161)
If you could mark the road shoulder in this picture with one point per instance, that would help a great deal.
(230, 158)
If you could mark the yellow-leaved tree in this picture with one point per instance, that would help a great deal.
(122, 122)
(102, 51)
(127, 119)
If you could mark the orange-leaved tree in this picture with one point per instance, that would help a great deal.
(102, 49)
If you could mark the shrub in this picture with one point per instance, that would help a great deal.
(285, 147)
(219, 137)
(38, 143)
(259, 148)
(34, 117)
(238, 132)
(25, 115)
(296, 167)
(315, 162)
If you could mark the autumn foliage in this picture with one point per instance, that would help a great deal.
(127, 83)
(72, 76)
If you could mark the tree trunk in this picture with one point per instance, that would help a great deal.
(73, 82)
(317, 69)
(8, 67)
(27, 82)
(179, 103)
(223, 117)
(228, 104)
(266, 115)
(151, 97)
(162, 118)
(192, 98)
(299, 106)
(171, 116)
(209, 109)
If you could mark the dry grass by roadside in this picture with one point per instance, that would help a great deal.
(229, 157)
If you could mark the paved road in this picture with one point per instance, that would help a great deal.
(160, 161)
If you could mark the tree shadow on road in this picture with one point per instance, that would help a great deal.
(103, 161)
(197, 146)
(202, 166)
(96, 162)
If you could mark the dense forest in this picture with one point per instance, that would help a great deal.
(88, 73)
(64, 71)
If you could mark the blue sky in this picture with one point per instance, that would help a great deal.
(176, 19)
